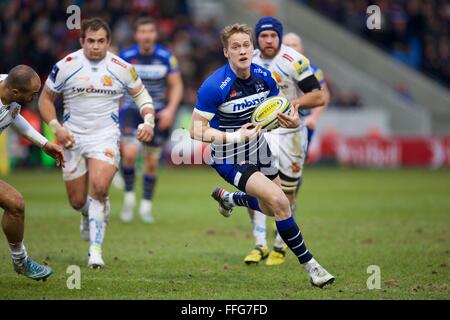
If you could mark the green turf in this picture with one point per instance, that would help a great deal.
(396, 219)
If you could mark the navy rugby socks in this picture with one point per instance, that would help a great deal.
(291, 235)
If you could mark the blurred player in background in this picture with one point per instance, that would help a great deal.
(297, 81)
(240, 153)
(294, 41)
(92, 81)
(158, 69)
(17, 88)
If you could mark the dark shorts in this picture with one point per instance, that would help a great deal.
(238, 174)
(130, 118)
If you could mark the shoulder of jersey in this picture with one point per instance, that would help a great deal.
(73, 59)
(129, 53)
(3, 76)
(219, 80)
(162, 51)
(166, 55)
(67, 66)
(256, 53)
(295, 59)
(116, 62)
(291, 55)
(258, 70)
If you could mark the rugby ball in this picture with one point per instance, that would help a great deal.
(265, 114)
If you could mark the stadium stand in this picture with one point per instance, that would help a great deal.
(414, 32)
(38, 35)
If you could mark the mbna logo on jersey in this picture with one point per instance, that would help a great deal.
(247, 103)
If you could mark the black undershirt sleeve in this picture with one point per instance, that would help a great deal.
(309, 84)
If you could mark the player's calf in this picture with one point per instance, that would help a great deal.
(14, 215)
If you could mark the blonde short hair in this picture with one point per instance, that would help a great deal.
(228, 31)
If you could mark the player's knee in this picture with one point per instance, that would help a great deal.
(16, 204)
(129, 161)
(76, 202)
(150, 169)
(279, 204)
(99, 191)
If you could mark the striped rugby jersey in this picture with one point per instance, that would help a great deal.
(153, 70)
(228, 102)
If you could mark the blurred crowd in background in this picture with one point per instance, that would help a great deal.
(35, 33)
(415, 32)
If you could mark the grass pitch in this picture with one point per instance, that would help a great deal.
(398, 220)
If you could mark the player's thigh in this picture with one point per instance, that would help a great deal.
(75, 161)
(130, 153)
(271, 198)
(10, 198)
(101, 174)
(103, 158)
(74, 173)
(258, 185)
(291, 153)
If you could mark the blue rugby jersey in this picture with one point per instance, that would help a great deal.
(153, 70)
(228, 102)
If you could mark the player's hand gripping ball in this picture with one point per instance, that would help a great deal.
(265, 114)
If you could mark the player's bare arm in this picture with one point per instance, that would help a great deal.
(311, 120)
(48, 113)
(201, 131)
(26, 130)
(313, 97)
(144, 102)
(175, 94)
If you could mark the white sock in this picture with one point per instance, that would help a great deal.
(129, 200)
(259, 228)
(230, 199)
(18, 252)
(97, 223)
(107, 210)
(85, 209)
(146, 207)
(279, 243)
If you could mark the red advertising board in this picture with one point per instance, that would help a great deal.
(387, 151)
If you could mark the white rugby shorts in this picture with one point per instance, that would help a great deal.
(104, 148)
(289, 152)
